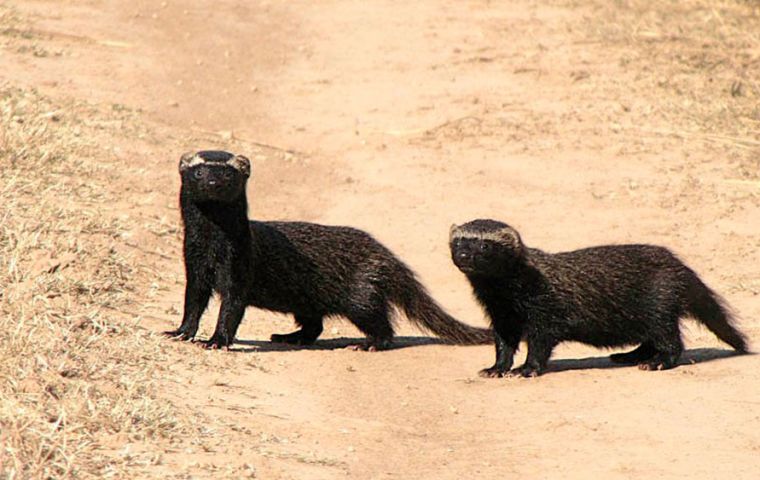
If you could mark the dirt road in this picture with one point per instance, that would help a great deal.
(579, 123)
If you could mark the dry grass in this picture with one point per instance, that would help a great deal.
(71, 372)
(691, 69)
(639, 76)
(77, 380)
(18, 35)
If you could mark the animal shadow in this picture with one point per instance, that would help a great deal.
(260, 346)
(695, 355)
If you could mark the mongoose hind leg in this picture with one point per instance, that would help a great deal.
(643, 352)
(668, 346)
(311, 329)
(375, 323)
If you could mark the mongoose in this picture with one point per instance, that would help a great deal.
(312, 271)
(606, 296)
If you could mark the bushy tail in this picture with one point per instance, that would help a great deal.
(712, 311)
(412, 297)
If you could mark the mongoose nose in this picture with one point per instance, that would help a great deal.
(462, 255)
(212, 182)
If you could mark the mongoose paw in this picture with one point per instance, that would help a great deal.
(656, 365)
(525, 372)
(370, 346)
(216, 342)
(180, 335)
(493, 372)
(361, 347)
(650, 366)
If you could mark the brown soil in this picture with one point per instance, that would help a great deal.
(578, 122)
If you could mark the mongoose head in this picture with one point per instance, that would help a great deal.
(214, 175)
(485, 247)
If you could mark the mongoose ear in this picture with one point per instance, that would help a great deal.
(241, 164)
(188, 160)
(452, 230)
(509, 236)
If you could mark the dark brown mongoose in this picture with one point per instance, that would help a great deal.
(607, 296)
(312, 271)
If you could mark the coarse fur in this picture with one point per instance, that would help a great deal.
(312, 271)
(606, 296)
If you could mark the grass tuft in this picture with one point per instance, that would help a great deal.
(73, 373)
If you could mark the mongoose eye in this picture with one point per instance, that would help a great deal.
(227, 174)
(485, 246)
(199, 173)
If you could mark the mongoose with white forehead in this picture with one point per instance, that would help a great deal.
(606, 296)
(312, 271)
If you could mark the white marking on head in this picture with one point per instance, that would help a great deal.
(503, 236)
(241, 164)
(189, 159)
(453, 231)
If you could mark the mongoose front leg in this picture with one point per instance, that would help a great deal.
(539, 351)
(505, 353)
(507, 334)
(230, 315)
(197, 295)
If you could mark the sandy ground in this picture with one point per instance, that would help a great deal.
(402, 118)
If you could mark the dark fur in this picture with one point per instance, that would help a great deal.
(607, 296)
(309, 270)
